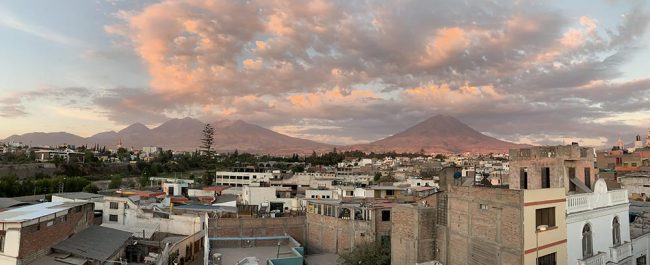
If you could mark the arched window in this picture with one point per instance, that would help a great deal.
(587, 244)
(616, 231)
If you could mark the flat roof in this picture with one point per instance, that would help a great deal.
(263, 254)
(10, 203)
(78, 195)
(31, 212)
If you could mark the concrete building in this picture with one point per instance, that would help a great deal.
(176, 187)
(321, 194)
(151, 150)
(27, 233)
(269, 199)
(125, 213)
(243, 178)
(68, 155)
(637, 185)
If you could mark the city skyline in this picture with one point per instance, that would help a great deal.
(333, 72)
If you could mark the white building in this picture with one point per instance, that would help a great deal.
(151, 150)
(598, 227)
(321, 194)
(240, 179)
(269, 198)
(124, 214)
(67, 155)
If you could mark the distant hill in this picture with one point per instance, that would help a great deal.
(185, 134)
(439, 133)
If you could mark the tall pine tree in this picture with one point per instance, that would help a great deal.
(208, 139)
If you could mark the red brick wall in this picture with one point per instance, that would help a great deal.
(35, 242)
(258, 227)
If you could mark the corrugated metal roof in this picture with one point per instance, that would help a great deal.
(95, 242)
(26, 213)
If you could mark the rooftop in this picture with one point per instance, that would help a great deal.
(27, 213)
(78, 195)
(95, 242)
(10, 203)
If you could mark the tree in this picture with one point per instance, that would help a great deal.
(91, 188)
(116, 182)
(208, 138)
(207, 178)
(371, 253)
(144, 179)
(377, 176)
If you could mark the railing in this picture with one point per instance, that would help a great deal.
(589, 201)
(579, 202)
(599, 258)
(618, 196)
(620, 252)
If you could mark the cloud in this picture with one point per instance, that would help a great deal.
(12, 105)
(12, 22)
(350, 70)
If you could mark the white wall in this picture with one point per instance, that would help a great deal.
(200, 193)
(601, 226)
(319, 194)
(134, 217)
(641, 247)
(363, 193)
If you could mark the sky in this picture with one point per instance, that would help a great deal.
(341, 72)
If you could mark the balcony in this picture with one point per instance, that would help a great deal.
(620, 252)
(599, 258)
(589, 201)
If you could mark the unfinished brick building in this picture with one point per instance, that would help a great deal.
(336, 227)
(567, 166)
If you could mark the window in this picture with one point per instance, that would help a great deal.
(587, 244)
(572, 174)
(549, 259)
(2, 243)
(545, 216)
(641, 260)
(385, 242)
(385, 216)
(546, 178)
(390, 192)
(588, 177)
(616, 232)
(114, 205)
(112, 217)
(523, 178)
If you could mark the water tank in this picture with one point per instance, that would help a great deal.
(216, 258)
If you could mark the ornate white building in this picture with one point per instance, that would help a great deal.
(598, 227)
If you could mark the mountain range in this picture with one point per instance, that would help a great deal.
(440, 134)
